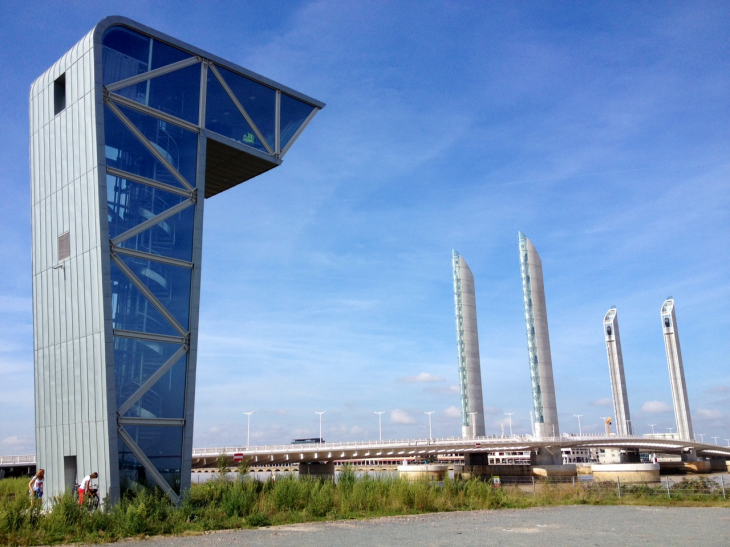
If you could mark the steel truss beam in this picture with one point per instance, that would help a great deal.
(295, 136)
(147, 464)
(137, 133)
(154, 112)
(152, 380)
(121, 333)
(148, 294)
(152, 74)
(156, 258)
(151, 222)
(149, 182)
(239, 106)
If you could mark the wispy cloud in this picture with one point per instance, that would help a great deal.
(452, 412)
(605, 401)
(655, 407)
(422, 378)
(718, 389)
(709, 414)
(399, 416)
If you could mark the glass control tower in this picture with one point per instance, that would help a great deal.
(131, 131)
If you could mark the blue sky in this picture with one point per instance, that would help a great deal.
(598, 129)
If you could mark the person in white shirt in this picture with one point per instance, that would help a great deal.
(85, 486)
(35, 486)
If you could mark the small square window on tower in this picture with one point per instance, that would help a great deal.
(59, 94)
(64, 246)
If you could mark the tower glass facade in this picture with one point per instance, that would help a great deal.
(545, 412)
(166, 126)
(467, 341)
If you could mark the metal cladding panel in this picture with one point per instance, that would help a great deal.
(616, 372)
(468, 345)
(676, 371)
(538, 341)
(64, 198)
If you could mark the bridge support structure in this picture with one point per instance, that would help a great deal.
(319, 470)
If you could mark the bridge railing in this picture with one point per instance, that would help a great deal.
(17, 460)
(441, 441)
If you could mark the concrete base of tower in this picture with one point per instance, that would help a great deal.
(626, 472)
(680, 468)
(431, 471)
(689, 455)
(325, 470)
(562, 470)
(546, 455)
(719, 464)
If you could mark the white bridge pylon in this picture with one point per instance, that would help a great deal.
(307, 453)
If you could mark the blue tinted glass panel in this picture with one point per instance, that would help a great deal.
(163, 448)
(132, 311)
(293, 114)
(169, 284)
(130, 203)
(126, 53)
(179, 146)
(176, 93)
(222, 116)
(165, 399)
(257, 100)
(135, 361)
(125, 152)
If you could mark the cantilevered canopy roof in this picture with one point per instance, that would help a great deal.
(250, 121)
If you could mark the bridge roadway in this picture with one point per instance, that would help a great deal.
(307, 453)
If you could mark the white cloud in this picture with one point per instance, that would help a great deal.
(709, 414)
(422, 377)
(452, 412)
(606, 401)
(655, 407)
(399, 416)
(719, 389)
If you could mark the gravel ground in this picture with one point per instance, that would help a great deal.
(555, 526)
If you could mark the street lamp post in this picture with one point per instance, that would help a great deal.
(728, 442)
(248, 437)
(430, 435)
(715, 439)
(510, 422)
(702, 437)
(580, 431)
(670, 430)
(380, 425)
(652, 428)
(320, 424)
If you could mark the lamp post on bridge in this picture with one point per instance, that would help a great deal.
(670, 430)
(510, 422)
(652, 428)
(580, 431)
(380, 425)
(430, 435)
(702, 437)
(248, 436)
(716, 439)
(728, 442)
(320, 424)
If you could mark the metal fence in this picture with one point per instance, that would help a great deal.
(691, 489)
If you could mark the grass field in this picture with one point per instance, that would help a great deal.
(245, 503)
